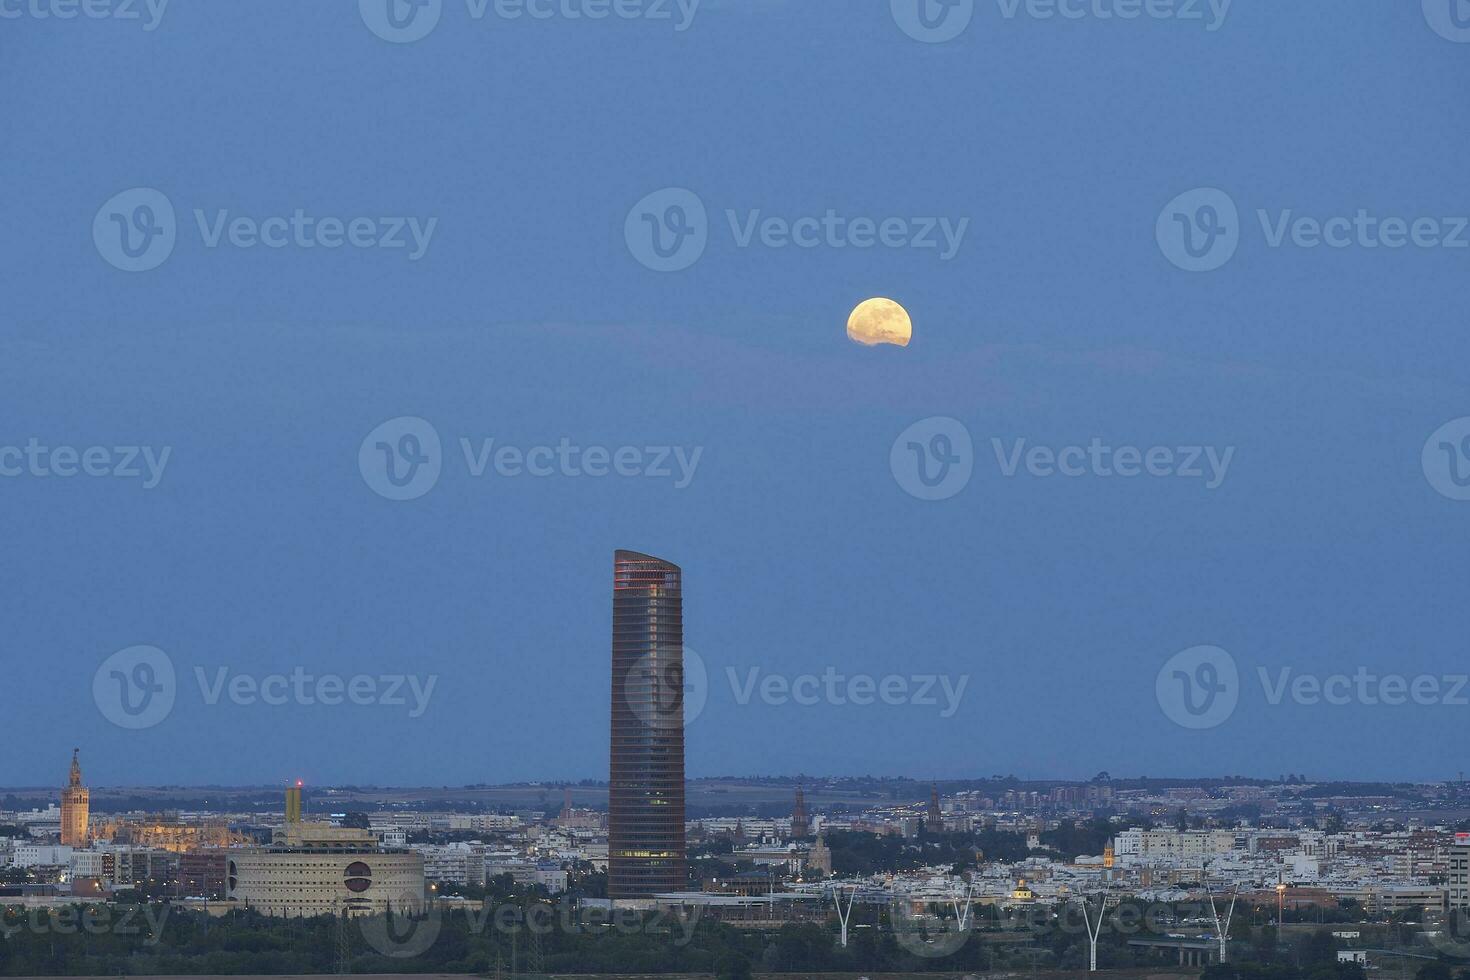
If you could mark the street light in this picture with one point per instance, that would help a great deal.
(1280, 910)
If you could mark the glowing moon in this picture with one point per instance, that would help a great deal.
(880, 321)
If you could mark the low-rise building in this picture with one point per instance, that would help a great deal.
(318, 869)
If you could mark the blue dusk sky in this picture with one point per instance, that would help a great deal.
(1171, 480)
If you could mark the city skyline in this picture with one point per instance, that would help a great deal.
(952, 878)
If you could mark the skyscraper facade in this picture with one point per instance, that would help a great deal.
(76, 805)
(646, 852)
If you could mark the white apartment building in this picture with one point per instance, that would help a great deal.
(88, 864)
(42, 855)
(1186, 846)
(497, 821)
(547, 874)
(460, 864)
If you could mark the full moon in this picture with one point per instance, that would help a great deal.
(880, 321)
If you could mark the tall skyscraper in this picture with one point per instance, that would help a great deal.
(76, 804)
(293, 803)
(646, 852)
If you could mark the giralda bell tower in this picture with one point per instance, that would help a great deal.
(646, 786)
(76, 803)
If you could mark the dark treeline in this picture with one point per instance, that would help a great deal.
(520, 932)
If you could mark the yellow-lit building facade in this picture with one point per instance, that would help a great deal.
(76, 806)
